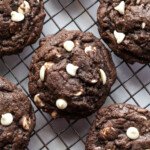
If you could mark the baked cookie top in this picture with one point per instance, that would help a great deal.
(71, 74)
(120, 127)
(20, 24)
(125, 27)
(17, 118)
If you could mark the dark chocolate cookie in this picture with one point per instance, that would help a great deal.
(125, 27)
(17, 118)
(20, 24)
(120, 127)
(71, 74)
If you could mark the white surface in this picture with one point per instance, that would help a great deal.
(132, 85)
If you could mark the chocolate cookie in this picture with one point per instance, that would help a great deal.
(20, 24)
(17, 118)
(120, 127)
(71, 74)
(125, 27)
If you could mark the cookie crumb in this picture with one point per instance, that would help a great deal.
(138, 2)
(54, 114)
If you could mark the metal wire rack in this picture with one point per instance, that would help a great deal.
(132, 84)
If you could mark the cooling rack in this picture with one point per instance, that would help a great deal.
(132, 84)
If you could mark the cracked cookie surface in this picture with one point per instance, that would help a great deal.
(120, 127)
(20, 24)
(17, 118)
(71, 74)
(125, 27)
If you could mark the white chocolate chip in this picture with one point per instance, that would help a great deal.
(77, 43)
(68, 46)
(79, 92)
(17, 17)
(6, 119)
(61, 104)
(24, 7)
(25, 122)
(42, 73)
(138, 2)
(48, 65)
(38, 101)
(71, 69)
(94, 48)
(21, 11)
(121, 7)
(143, 117)
(98, 148)
(58, 55)
(132, 133)
(103, 76)
(143, 25)
(88, 49)
(94, 81)
(119, 36)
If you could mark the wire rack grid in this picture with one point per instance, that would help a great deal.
(132, 84)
